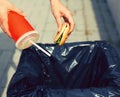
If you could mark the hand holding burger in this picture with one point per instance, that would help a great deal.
(61, 12)
(64, 29)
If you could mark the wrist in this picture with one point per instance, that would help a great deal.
(54, 1)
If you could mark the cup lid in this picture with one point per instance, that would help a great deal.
(23, 42)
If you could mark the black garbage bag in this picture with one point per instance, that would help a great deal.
(80, 69)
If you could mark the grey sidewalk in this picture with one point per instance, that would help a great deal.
(93, 21)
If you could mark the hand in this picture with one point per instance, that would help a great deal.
(60, 11)
(5, 7)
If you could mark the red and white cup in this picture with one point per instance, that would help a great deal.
(21, 30)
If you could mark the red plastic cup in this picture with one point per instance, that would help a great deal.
(21, 30)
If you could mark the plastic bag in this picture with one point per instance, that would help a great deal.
(79, 69)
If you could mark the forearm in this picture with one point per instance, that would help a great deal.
(3, 0)
(53, 2)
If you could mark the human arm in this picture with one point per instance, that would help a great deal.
(60, 11)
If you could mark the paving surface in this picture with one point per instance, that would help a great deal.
(93, 21)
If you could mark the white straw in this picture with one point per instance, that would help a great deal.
(40, 48)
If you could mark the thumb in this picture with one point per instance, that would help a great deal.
(14, 8)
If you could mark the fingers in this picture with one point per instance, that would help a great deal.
(5, 28)
(69, 18)
(14, 8)
(4, 23)
(59, 22)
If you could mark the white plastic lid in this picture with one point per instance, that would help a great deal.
(23, 42)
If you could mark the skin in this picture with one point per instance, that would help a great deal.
(5, 7)
(58, 9)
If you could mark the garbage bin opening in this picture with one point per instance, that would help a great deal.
(82, 69)
(73, 66)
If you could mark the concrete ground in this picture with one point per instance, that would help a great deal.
(93, 21)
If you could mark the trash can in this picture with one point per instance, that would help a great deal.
(78, 69)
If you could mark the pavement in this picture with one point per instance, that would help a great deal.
(93, 21)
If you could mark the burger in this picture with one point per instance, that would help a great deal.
(63, 34)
